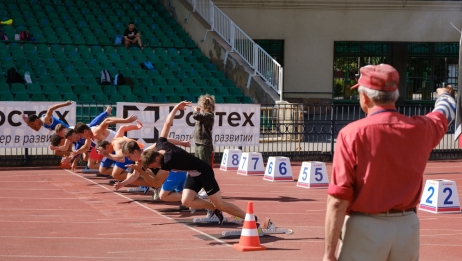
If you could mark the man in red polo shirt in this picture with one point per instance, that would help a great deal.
(377, 173)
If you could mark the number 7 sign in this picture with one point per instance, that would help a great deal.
(251, 164)
(313, 174)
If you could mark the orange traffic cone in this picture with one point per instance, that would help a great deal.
(249, 241)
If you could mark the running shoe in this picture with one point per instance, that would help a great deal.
(156, 194)
(146, 189)
(219, 214)
(209, 213)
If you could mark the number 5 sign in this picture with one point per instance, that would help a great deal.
(278, 169)
(313, 174)
(440, 196)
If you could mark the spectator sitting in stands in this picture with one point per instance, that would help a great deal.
(132, 36)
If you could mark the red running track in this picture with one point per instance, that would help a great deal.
(60, 215)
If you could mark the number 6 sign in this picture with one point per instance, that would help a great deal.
(278, 169)
(440, 196)
(313, 174)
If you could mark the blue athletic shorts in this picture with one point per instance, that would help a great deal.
(122, 164)
(174, 181)
(106, 163)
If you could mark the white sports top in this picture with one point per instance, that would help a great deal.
(109, 137)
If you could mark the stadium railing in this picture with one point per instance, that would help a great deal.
(258, 59)
(303, 133)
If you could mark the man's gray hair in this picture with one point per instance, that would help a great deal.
(380, 97)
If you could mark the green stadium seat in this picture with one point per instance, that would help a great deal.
(95, 89)
(45, 79)
(174, 83)
(144, 99)
(174, 99)
(131, 98)
(153, 74)
(209, 90)
(160, 98)
(60, 79)
(49, 88)
(152, 90)
(74, 80)
(89, 80)
(235, 92)
(5, 88)
(181, 91)
(246, 100)
(38, 97)
(195, 91)
(168, 91)
(18, 88)
(116, 98)
(22, 97)
(227, 83)
(110, 90)
(214, 83)
(86, 98)
(219, 75)
(27, 47)
(55, 97)
(219, 99)
(70, 97)
(6, 97)
(139, 90)
(190, 98)
(231, 99)
(124, 90)
(55, 71)
(160, 82)
(65, 89)
(222, 91)
(201, 83)
(80, 89)
(101, 98)
(34, 88)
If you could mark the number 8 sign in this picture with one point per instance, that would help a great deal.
(230, 160)
(313, 174)
(440, 196)
(278, 169)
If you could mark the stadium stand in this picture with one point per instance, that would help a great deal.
(74, 40)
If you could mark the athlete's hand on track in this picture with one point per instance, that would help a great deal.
(66, 160)
(118, 185)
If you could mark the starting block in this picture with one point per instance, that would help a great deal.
(278, 169)
(90, 171)
(268, 228)
(440, 196)
(214, 219)
(230, 160)
(313, 174)
(251, 163)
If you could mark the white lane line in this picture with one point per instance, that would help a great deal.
(152, 210)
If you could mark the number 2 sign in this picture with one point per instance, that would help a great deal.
(440, 196)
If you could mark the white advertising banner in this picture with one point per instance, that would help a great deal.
(14, 132)
(235, 124)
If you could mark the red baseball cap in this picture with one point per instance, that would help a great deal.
(382, 77)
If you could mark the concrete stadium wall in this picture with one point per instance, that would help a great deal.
(216, 49)
(309, 29)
